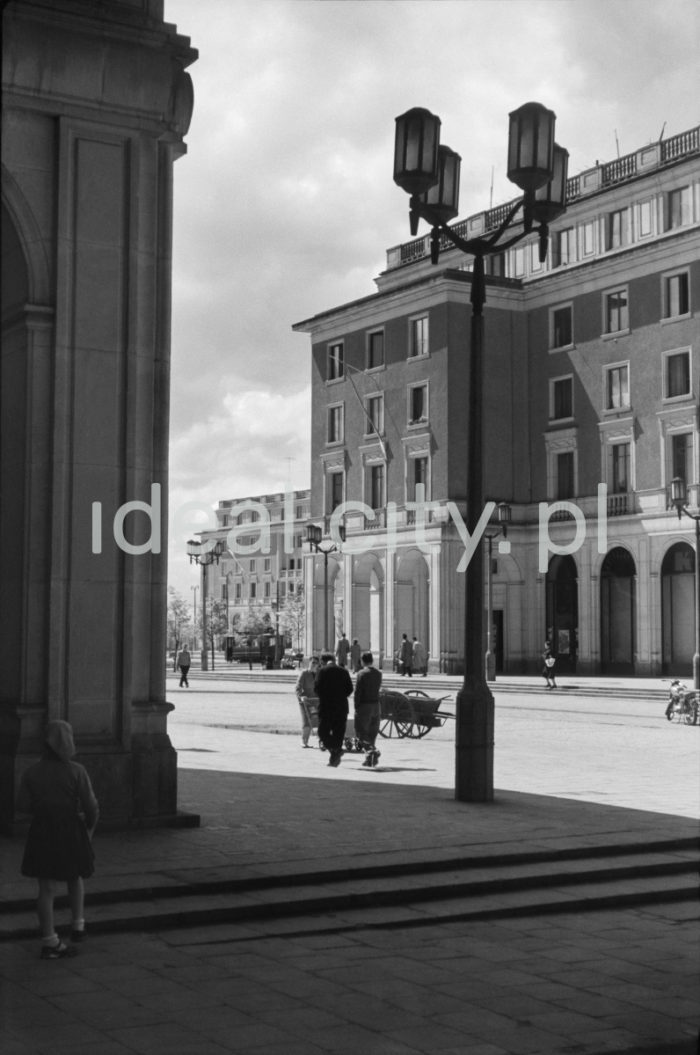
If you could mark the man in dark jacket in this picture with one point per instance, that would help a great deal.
(333, 687)
(367, 688)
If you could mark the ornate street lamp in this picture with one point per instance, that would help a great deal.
(503, 513)
(679, 499)
(325, 544)
(204, 554)
(539, 167)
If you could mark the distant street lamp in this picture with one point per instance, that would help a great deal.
(503, 513)
(679, 498)
(326, 545)
(429, 172)
(204, 554)
(194, 613)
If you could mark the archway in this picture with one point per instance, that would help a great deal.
(678, 609)
(368, 603)
(326, 638)
(562, 610)
(618, 612)
(412, 598)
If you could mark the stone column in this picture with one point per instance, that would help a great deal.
(97, 102)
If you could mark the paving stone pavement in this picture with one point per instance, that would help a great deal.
(584, 983)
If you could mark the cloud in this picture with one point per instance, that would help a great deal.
(284, 205)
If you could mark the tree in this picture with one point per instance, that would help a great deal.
(293, 615)
(179, 620)
(217, 624)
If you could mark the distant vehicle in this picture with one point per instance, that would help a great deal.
(292, 658)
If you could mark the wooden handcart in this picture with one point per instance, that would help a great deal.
(410, 714)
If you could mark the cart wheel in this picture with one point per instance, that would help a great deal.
(387, 728)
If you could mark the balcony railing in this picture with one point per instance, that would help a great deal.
(607, 175)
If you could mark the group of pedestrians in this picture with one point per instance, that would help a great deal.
(412, 658)
(325, 688)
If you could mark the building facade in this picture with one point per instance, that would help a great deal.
(261, 566)
(590, 410)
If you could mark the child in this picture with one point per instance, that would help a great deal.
(64, 815)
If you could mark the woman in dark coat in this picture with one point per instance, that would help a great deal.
(58, 794)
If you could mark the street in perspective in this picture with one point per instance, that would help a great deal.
(318, 909)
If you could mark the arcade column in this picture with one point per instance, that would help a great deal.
(96, 102)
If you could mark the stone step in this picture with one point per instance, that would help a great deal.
(473, 890)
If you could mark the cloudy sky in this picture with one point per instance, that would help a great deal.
(285, 204)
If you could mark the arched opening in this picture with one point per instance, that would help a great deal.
(678, 610)
(368, 603)
(618, 612)
(13, 454)
(412, 598)
(562, 611)
(327, 605)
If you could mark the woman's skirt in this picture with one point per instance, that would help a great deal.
(58, 847)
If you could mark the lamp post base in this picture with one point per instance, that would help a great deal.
(474, 742)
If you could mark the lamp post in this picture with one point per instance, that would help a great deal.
(503, 513)
(204, 554)
(325, 544)
(194, 613)
(429, 172)
(679, 499)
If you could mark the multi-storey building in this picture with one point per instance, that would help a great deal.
(590, 409)
(261, 565)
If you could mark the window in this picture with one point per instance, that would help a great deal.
(418, 344)
(334, 491)
(617, 231)
(518, 262)
(616, 311)
(620, 468)
(617, 386)
(267, 564)
(266, 589)
(645, 219)
(676, 300)
(564, 247)
(375, 350)
(224, 592)
(418, 477)
(496, 264)
(561, 326)
(374, 421)
(253, 590)
(565, 475)
(376, 486)
(238, 591)
(335, 423)
(681, 454)
(561, 398)
(677, 375)
(678, 208)
(336, 364)
(588, 238)
(417, 404)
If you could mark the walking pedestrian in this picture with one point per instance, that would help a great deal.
(305, 690)
(333, 687)
(548, 662)
(406, 656)
(342, 651)
(367, 709)
(419, 659)
(355, 656)
(58, 794)
(184, 662)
